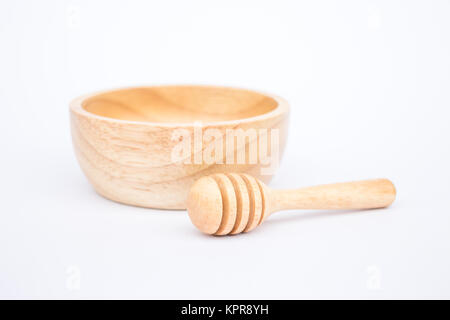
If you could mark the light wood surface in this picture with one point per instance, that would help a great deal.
(224, 204)
(123, 139)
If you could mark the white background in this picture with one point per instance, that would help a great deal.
(368, 82)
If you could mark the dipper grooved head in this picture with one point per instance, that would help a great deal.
(223, 204)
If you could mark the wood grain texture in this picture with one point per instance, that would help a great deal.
(212, 200)
(123, 139)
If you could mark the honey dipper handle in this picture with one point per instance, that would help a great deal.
(366, 194)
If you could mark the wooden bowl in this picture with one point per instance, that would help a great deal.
(125, 140)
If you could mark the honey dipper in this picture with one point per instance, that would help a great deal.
(223, 204)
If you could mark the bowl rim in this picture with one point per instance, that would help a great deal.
(76, 106)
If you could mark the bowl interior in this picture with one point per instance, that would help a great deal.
(179, 104)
